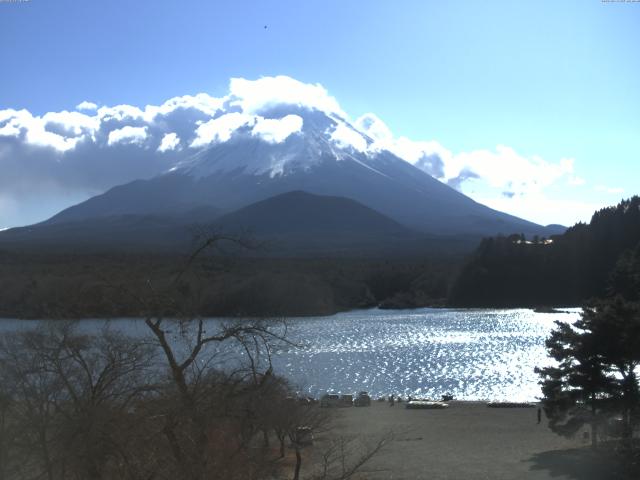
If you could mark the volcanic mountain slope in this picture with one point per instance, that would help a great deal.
(302, 222)
(117, 232)
(302, 213)
(303, 150)
(293, 223)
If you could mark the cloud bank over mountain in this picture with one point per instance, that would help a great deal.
(54, 160)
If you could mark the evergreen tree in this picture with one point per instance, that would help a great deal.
(595, 377)
(576, 391)
(616, 325)
(625, 278)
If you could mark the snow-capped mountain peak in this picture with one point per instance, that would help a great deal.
(277, 142)
(250, 147)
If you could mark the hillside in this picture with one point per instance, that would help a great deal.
(562, 270)
(291, 224)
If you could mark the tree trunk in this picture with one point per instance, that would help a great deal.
(594, 426)
(45, 454)
(3, 454)
(627, 432)
(281, 439)
(174, 445)
(629, 390)
(296, 473)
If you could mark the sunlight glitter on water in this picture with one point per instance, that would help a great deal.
(473, 354)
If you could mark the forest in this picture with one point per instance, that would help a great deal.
(585, 262)
(80, 286)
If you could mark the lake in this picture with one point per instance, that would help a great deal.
(472, 354)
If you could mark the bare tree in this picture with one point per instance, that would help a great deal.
(347, 456)
(201, 398)
(69, 395)
(196, 398)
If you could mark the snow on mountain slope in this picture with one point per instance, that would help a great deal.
(283, 141)
(251, 157)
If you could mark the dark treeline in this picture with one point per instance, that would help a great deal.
(562, 270)
(36, 285)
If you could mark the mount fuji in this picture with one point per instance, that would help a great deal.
(243, 158)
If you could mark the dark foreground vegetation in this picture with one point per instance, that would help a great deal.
(107, 406)
(189, 399)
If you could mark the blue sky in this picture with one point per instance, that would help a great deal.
(548, 80)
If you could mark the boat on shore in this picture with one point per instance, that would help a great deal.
(510, 405)
(425, 405)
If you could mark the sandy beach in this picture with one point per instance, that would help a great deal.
(468, 441)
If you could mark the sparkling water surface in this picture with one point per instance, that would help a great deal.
(472, 354)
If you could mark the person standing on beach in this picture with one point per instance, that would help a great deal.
(539, 415)
(391, 401)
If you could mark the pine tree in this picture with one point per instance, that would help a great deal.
(576, 391)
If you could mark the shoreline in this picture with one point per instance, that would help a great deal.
(550, 311)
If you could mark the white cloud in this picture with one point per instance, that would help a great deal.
(37, 135)
(218, 117)
(72, 123)
(576, 181)
(414, 151)
(605, 189)
(277, 130)
(506, 169)
(22, 122)
(253, 96)
(170, 141)
(128, 134)
(220, 129)
(503, 169)
(120, 113)
(86, 106)
(11, 122)
(539, 207)
(346, 137)
(527, 186)
(202, 102)
(370, 124)
(430, 156)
